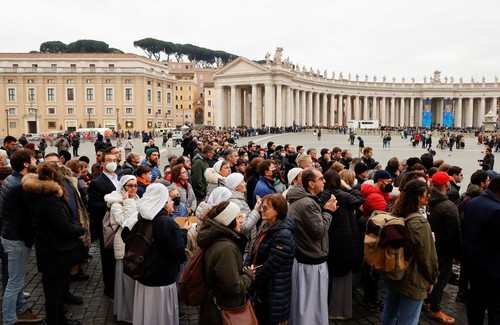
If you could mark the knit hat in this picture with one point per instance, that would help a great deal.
(440, 178)
(218, 195)
(218, 166)
(100, 137)
(360, 168)
(228, 214)
(278, 148)
(234, 180)
(293, 173)
(381, 174)
(412, 161)
(150, 151)
(375, 165)
(124, 180)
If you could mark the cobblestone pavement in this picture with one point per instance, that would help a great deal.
(98, 309)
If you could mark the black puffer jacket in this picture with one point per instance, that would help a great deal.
(273, 281)
(58, 244)
(16, 220)
(345, 238)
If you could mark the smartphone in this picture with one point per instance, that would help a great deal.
(257, 198)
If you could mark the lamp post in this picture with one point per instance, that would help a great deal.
(117, 121)
(7, 115)
(88, 111)
(35, 110)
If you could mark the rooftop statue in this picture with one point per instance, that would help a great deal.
(277, 55)
(366, 78)
(333, 74)
(357, 77)
(445, 80)
(384, 78)
(436, 78)
(325, 74)
(268, 56)
(452, 79)
(403, 80)
(374, 78)
(412, 80)
(341, 75)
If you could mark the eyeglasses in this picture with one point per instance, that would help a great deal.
(265, 208)
(131, 186)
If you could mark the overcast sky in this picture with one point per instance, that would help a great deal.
(366, 37)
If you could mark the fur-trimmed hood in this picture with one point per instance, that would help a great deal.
(32, 184)
(212, 176)
(113, 197)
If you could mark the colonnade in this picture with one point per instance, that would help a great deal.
(282, 105)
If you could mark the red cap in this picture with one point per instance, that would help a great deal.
(440, 178)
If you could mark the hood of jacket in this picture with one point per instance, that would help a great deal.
(212, 176)
(113, 197)
(368, 188)
(474, 190)
(436, 197)
(212, 230)
(32, 184)
(297, 192)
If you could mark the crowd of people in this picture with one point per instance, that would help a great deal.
(281, 226)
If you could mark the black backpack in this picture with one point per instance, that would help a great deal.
(140, 250)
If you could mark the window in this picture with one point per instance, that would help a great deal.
(182, 106)
(15, 65)
(128, 110)
(209, 114)
(110, 111)
(51, 81)
(128, 94)
(181, 87)
(128, 81)
(90, 111)
(176, 88)
(148, 95)
(176, 97)
(109, 94)
(209, 103)
(201, 95)
(209, 92)
(158, 96)
(70, 94)
(168, 86)
(168, 98)
(11, 81)
(90, 94)
(169, 112)
(190, 98)
(50, 94)
(109, 81)
(12, 125)
(51, 125)
(189, 88)
(92, 65)
(148, 82)
(12, 94)
(31, 94)
(51, 111)
(71, 111)
(150, 111)
(53, 65)
(111, 65)
(31, 81)
(158, 84)
(89, 81)
(181, 97)
(70, 81)
(189, 106)
(72, 65)
(34, 65)
(176, 106)
(12, 111)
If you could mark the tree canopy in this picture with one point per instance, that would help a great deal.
(204, 57)
(80, 46)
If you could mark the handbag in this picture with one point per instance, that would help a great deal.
(108, 231)
(244, 315)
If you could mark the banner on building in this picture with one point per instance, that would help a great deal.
(448, 113)
(427, 114)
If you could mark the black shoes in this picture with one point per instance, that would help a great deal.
(70, 299)
(80, 276)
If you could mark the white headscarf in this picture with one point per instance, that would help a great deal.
(153, 200)
(218, 195)
(218, 166)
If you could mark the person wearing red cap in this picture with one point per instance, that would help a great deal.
(445, 224)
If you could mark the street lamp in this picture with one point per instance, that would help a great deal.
(88, 111)
(117, 121)
(7, 115)
(35, 110)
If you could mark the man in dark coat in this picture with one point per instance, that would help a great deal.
(106, 183)
(481, 254)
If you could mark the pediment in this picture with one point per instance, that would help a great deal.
(241, 66)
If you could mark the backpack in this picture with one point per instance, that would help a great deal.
(140, 250)
(193, 289)
(108, 231)
(387, 244)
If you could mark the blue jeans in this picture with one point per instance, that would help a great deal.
(14, 302)
(400, 309)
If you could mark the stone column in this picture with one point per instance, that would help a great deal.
(232, 114)
(324, 110)
(289, 107)
(393, 112)
(458, 113)
(254, 119)
(303, 108)
(333, 109)
(340, 111)
(269, 108)
(279, 106)
(470, 112)
(316, 108)
(402, 111)
(440, 111)
(365, 108)
(310, 120)
(375, 108)
(383, 119)
(298, 120)
(480, 115)
(357, 109)
(412, 111)
(221, 103)
(349, 108)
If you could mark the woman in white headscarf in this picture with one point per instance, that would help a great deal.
(155, 300)
(216, 175)
(123, 205)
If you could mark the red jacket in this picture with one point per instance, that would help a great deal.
(375, 199)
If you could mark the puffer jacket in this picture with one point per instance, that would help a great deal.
(273, 280)
(423, 269)
(16, 220)
(214, 180)
(311, 226)
(375, 199)
(445, 223)
(223, 270)
(250, 218)
(120, 210)
(58, 244)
